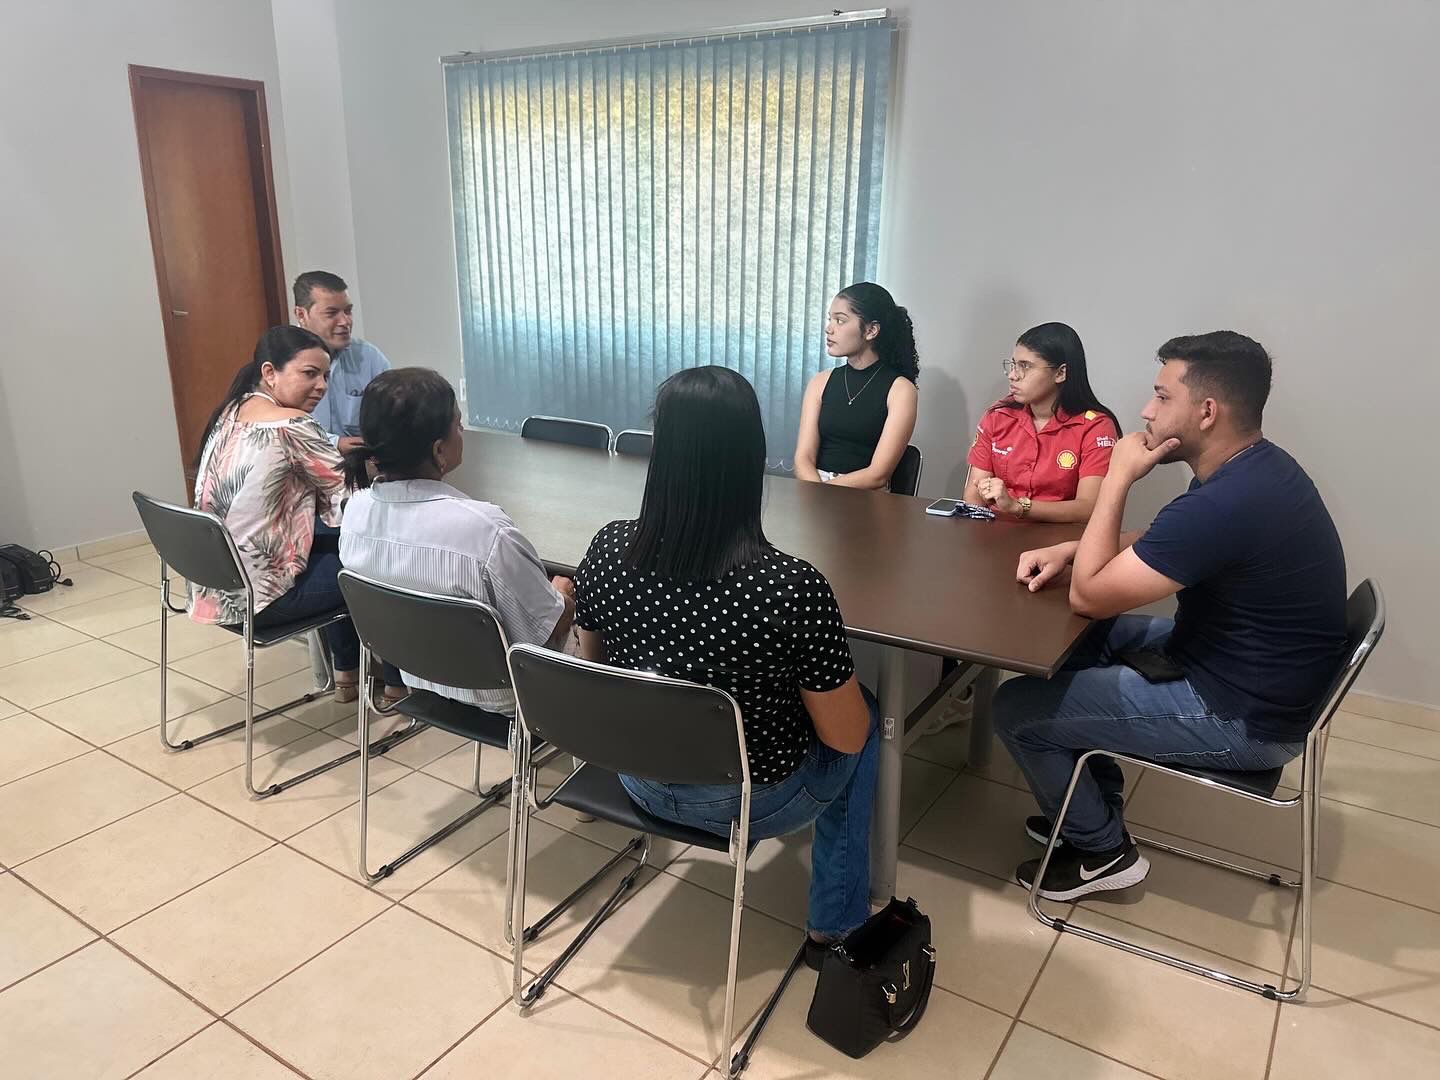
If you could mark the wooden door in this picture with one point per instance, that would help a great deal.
(205, 161)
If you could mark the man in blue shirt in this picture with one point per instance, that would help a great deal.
(1259, 630)
(322, 304)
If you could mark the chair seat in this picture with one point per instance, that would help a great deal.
(1262, 782)
(272, 635)
(456, 717)
(599, 793)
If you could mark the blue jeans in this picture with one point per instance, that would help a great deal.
(836, 791)
(315, 591)
(1095, 702)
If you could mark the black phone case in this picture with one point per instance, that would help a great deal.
(1153, 666)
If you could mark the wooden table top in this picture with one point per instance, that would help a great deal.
(903, 577)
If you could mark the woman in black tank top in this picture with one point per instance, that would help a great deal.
(857, 418)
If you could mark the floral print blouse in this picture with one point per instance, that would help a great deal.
(268, 481)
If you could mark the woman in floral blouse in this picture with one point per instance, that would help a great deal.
(268, 471)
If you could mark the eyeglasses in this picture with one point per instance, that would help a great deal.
(1020, 368)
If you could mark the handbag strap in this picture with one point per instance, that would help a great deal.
(901, 1028)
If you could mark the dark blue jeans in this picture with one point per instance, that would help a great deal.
(1095, 702)
(315, 591)
(836, 791)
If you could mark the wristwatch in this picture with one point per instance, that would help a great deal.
(1024, 506)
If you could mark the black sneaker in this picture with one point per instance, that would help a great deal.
(1037, 827)
(1073, 873)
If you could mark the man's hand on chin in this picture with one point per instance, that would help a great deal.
(1134, 457)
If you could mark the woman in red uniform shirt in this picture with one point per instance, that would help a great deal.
(1041, 453)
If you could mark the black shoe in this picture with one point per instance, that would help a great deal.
(1037, 827)
(1073, 873)
(815, 952)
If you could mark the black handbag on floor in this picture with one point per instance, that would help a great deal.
(874, 985)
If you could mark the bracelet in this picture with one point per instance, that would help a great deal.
(1024, 506)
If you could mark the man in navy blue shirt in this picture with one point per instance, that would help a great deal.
(1231, 681)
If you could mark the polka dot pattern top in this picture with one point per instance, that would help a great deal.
(762, 632)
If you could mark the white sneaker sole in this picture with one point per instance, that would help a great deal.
(1130, 876)
(1042, 838)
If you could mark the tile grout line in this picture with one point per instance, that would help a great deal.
(1088, 1049)
(1020, 1009)
(261, 1046)
(1285, 967)
(444, 1053)
(219, 1022)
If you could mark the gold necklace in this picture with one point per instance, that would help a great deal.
(845, 376)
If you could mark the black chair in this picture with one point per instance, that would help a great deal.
(562, 429)
(616, 721)
(199, 545)
(634, 443)
(442, 639)
(1365, 622)
(905, 480)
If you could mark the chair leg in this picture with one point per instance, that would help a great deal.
(1266, 990)
(735, 1065)
(518, 806)
(741, 1061)
(525, 996)
(381, 746)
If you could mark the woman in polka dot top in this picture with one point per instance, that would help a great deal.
(692, 589)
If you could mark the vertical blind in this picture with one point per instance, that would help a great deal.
(624, 212)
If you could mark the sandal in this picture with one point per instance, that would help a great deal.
(347, 687)
(391, 695)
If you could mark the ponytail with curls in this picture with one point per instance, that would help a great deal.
(895, 344)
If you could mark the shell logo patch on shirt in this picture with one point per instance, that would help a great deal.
(1091, 414)
(1066, 459)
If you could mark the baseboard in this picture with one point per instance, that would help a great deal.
(1396, 709)
(111, 543)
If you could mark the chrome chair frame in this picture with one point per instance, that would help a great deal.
(609, 435)
(620, 437)
(527, 800)
(1308, 799)
(488, 796)
(247, 634)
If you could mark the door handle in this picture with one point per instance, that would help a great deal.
(177, 311)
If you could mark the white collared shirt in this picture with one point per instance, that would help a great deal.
(428, 536)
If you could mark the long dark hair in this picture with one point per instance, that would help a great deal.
(277, 347)
(1058, 344)
(402, 415)
(895, 344)
(700, 517)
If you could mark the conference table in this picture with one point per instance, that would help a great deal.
(904, 579)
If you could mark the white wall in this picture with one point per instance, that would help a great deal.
(86, 414)
(1139, 168)
(307, 52)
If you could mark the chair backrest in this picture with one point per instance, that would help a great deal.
(633, 722)
(562, 429)
(451, 640)
(905, 480)
(1364, 624)
(634, 442)
(194, 542)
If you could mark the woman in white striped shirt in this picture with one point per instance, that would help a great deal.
(411, 529)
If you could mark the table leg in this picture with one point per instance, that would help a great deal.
(885, 825)
(981, 726)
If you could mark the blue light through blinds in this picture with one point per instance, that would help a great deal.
(621, 214)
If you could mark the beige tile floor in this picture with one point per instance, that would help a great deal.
(155, 923)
